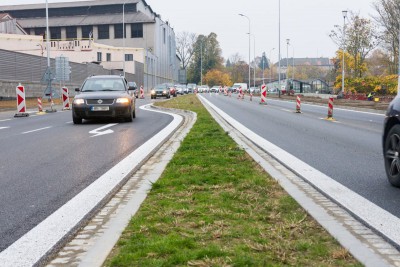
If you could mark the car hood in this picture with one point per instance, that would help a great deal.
(102, 95)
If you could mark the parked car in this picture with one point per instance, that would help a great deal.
(160, 90)
(391, 142)
(104, 96)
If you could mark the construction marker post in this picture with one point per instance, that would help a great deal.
(21, 104)
(65, 99)
(251, 96)
(40, 106)
(141, 92)
(298, 104)
(263, 94)
(330, 109)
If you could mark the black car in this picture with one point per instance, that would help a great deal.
(106, 96)
(133, 85)
(160, 90)
(391, 142)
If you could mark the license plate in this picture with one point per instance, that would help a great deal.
(100, 108)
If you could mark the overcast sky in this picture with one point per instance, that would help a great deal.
(306, 23)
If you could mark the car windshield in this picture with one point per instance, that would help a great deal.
(160, 87)
(106, 84)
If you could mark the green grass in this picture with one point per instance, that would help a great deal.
(214, 206)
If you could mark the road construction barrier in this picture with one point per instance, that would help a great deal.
(141, 92)
(251, 96)
(65, 99)
(298, 104)
(40, 106)
(21, 104)
(330, 109)
(225, 91)
(263, 94)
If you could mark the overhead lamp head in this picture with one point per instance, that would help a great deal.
(344, 13)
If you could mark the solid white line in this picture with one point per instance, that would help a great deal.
(34, 245)
(371, 214)
(1, 128)
(41, 129)
(5, 120)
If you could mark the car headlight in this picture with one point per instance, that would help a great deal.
(153, 92)
(123, 100)
(79, 101)
(164, 92)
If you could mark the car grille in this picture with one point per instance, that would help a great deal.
(96, 101)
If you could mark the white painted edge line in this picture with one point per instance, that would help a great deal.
(34, 245)
(371, 214)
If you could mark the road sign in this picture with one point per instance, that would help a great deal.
(63, 70)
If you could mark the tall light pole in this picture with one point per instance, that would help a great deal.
(249, 46)
(270, 65)
(279, 49)
(287, 58)
(344, 13)
(201, 62)
(47, 36)
(123, 37)
(293, 63)
(254, 60)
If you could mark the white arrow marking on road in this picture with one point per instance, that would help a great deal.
(97, 132)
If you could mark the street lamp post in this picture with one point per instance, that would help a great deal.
(287, 58)
(249, 46)
(279, 49)
(270, 65)
(123, 37)
(201, 62)
(344, 13)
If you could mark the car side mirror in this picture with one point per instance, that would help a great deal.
(77, 90)
(132, 87)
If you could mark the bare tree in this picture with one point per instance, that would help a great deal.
(185, 47)
(388, 18)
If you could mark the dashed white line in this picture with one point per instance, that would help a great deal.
(5, 120)
(1, 128)
(41, 129)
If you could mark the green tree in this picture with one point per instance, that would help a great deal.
(207, 53)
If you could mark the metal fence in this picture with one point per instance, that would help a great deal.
(15, 66)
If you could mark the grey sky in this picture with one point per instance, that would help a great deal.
(306, 23)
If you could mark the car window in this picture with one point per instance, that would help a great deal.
(93, 85)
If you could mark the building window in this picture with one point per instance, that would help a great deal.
(87, 31)
(99, 56)
(164, 35)
(118, 31)
(71, 32)
(108, 56)
(104, 31)
(40, 31)
(55, 33)
(128, 57)
(137, 30)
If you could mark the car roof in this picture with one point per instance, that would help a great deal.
(105, 76)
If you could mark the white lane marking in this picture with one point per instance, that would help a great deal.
(5, 120)
(34, 245)
(98, 131)
(370, 213)
(36, 130)
(287, 110)
(69, 122)
(1, 128)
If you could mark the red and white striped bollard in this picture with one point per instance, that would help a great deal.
(40, 106)
(263, 94)
(65, 98)
(21, 104)
(298, 104)
(330, 109)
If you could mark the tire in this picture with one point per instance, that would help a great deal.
(392, 155)
(134, 114)
(76, 119)
(130, 117)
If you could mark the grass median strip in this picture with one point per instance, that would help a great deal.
(214, 206)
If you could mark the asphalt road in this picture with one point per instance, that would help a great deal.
(348, 150)
(46, 160)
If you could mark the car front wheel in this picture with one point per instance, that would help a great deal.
(76, 119)
(392, 155)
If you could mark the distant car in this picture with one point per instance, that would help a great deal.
(160, 90)
(254, 90)
(172, 90)
(391, 142)
(191, 87)
(203, 89)
(135, 92)
(214, 89)
(105, 96)
(180, 89)
(273, 91)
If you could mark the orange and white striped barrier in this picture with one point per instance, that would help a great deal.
(298, 104)
(65, 99)
(39, 103)
(225, 91)
(141, 92)
(21, 104)
(263, 94)
(251, 96)
(330, 109)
